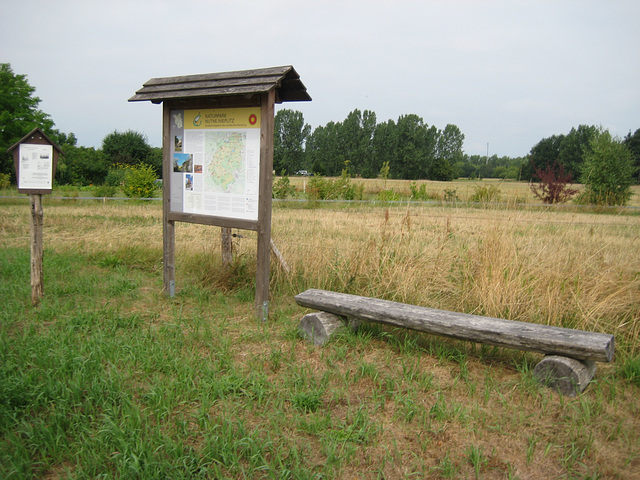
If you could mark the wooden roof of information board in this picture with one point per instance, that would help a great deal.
(35, 136)
(285, 80)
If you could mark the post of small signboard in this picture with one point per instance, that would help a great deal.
(218, 156)
(35, 158)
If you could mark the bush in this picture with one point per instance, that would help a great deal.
(139, 181)
(451, 195)
(105, 191)
(346, 190)
(389, 195)
(318, 188)
(420, 192)
(486, 194)
(5, 180)
(554, 185)
(607, 171)
(321, 188)
(283, 189)
(115, 176)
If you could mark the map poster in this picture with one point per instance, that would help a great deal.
(36, 166)
(216, 162)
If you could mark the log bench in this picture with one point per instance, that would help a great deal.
(571, 354)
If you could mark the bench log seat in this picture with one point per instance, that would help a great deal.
(557, 342)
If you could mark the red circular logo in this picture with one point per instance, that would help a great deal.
(253, 119)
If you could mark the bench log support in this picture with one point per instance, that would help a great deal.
(318, 327)
(567, 376)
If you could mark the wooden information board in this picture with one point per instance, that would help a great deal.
(35, 158)
(218, 155)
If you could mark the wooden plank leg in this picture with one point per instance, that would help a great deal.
(264, 205)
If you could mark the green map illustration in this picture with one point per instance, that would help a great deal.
(224, 158)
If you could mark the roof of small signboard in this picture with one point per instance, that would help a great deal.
(38, 136)
(285, 80)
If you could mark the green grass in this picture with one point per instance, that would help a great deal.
(630, 369)
(109, 378)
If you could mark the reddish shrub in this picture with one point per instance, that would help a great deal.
(554, 185)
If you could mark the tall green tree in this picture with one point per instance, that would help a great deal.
(81, 166)
(290, 134)
(355, 139)
(607, 171)
(574, 146)
(633, 143)
(19, 114)
(545, 153)
(369, 166)
(324, 151)
(566, 151)
(416, 148)
(448, 152)
(126, 148)
(385, 146)
(154, 159)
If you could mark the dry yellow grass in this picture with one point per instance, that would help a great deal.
(572, 269)
(569, 268)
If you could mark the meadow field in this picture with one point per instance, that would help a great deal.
(511, 191)
(110, 378)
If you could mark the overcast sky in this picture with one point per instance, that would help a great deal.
(506, 72)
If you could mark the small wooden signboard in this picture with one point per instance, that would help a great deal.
(35, 158)
(218, 155)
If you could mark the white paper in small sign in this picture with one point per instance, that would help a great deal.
(36, 166)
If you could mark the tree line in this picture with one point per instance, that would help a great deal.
(406, 148)
(409, 148)
(570, 151)
(413, 150)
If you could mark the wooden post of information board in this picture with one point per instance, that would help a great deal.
(37, 247)
(35, 158)
(227, 247)
(168, 225)
(264, 205)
